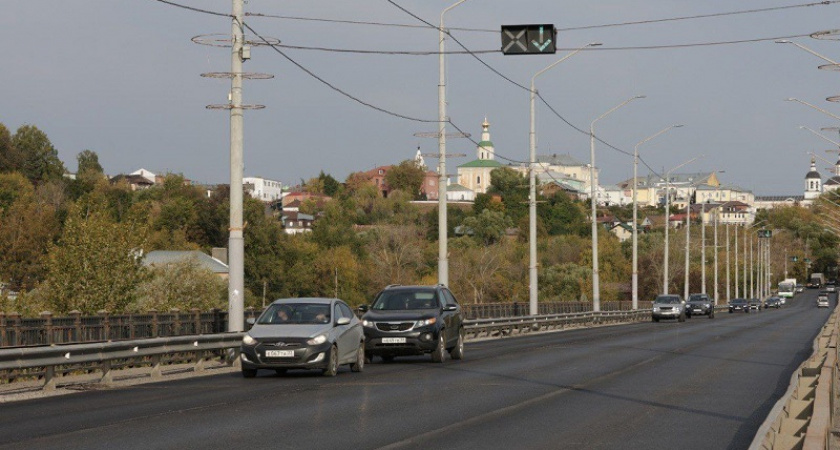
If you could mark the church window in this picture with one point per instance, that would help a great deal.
(478, 180)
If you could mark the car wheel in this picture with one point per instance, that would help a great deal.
(681, 318)
(440, 351)
(249, 373)
(712, 314)
(746, 310)
(280, 372)
(457, 352)
(332, 365)
(368, 357)
(654, 319)
(359, 365)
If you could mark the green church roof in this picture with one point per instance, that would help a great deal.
(482, 163)
(485, 144)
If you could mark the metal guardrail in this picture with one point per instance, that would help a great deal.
(49, 363)
(804, 418)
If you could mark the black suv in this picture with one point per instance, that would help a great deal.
(700, 305)
(413, 320)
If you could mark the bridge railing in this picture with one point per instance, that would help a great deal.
(49, 363)
(804, 418)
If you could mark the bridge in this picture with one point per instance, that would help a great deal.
(699, 384)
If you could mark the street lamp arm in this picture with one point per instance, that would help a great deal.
(567, 56)
(820, 136)
(824, 58)
(447, 10)
(812, 106)
(655, 135)
(684, 164)
(615, 108)
(820, 158)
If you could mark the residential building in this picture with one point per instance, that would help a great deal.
(263, 189)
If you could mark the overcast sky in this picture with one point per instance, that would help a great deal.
(122, 78)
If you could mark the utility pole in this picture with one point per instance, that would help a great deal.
(236, 241)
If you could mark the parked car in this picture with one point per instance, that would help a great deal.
(700, 305)
(668, 307)
(304, 333)
(800, 288)
(739, 304)
(822, 299)
(773, 302)
(414, 320)
(756, 304)
(830, 288)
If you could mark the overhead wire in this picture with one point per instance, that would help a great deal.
(576, 28)
(403, 116)
(594, 49)
(484, 63)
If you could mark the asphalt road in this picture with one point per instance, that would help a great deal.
(701, 384)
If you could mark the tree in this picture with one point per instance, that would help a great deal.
(407, 176)
(11, 160)
(40, 158)
(29, 227)
(396, 254)
(89, 167)
(96, 264)
(331, 185)
(512, 187)
(183, 285)
(487, 227)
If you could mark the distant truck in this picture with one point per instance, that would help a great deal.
(787, 288)
(817, 280)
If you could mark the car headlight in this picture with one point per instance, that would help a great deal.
(317, 340)
(248, 340)
(655, 309)
(367, 323)
(707, 305)
(425, 322)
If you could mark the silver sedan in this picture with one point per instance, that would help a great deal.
(304, 333)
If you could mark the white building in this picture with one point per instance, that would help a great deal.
(263, 189)
(475, 175)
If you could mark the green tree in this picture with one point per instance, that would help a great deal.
(40, 158)
(488, 227)
(331, 185)
(29, 227)
(11, 159)
(407, 176)
(95, 265)
(89, 166)
(183, 285)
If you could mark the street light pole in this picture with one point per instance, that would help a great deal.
(533, 293)
(635, 279)
(824, 58)
(596, 288)
(667, 220)
(443, 260)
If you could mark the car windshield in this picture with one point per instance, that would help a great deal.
(739, 300)
(697, 298)
(295, 314)
(403, 299)
(667, 300)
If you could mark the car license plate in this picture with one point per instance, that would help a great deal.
(279, 353)
(393, 340)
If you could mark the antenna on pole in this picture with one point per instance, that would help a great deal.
(240, 52)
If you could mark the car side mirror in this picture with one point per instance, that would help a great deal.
(364, 308)
(250, 321)
(450, 308)
(342, 321)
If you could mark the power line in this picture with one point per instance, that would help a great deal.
(518, 85)
(190, 8)
(593, 49)
(584, 27)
